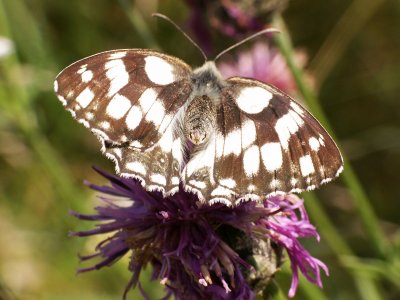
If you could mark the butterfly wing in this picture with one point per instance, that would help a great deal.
(265, 143)
(131, 100)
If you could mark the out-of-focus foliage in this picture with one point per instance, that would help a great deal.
(353, 50)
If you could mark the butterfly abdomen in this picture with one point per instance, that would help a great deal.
(200, 119)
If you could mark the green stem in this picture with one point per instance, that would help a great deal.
(18, 110)
(351, 22)
(369, 219)
(139, 24)
(360, 198)
(325, 227)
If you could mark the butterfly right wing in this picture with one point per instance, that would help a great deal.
(264, 143)
(131, 99)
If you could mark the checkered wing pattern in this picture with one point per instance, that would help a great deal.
(131, 100)
(265, 143)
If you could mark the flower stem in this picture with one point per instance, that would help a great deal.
(139, 24)
(360, 198)
(18, 111)
(353, 19)
(368, 217)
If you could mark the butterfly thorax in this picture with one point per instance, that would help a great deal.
(208, 81)
(201, 113)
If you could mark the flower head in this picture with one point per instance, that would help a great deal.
(261, 62)
(234, 18)
(201, 251)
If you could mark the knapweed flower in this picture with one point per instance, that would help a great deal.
(234, 18)
(261, 62)
(201, 251)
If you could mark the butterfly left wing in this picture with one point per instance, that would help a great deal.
(265, 143)
(131, 99)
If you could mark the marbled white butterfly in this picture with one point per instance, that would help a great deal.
(225, 140)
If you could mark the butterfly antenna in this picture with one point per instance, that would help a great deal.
(264, 31)
(183, 32)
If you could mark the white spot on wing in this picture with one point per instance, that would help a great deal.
(100, 134)
(306, 165)
(233, 143)
(166, 121)
(56, 86)
(156, 113)
(158, 178)
(87, 76)
(117, 152)
(314, 143)
(105, 125)
(275, 183)
(248, 133)
(117, 74)
(158, 70)
(84, 122)
(117, 55)
(228, 182)
(85, 97)
(271, 154)
(297, 108)
(326, 180)
(177, 150)
(136, 167)
(251, 160)
(339, 171)
(62, 99)
(118, 106)
(221, 191)
(134, 117)
(287, 125)
(198, 184)
(175, 180)
(89, 115)
(253, 100)
(166, 142)
(251, 188)
(219, 145)
(82, 69)
(311, 187)
(220, 200)
(147, 99)
(136, 144)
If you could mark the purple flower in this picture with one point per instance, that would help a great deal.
(263, 63)
(201, 251)
(231, 17)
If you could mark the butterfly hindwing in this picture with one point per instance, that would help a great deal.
(131, 99)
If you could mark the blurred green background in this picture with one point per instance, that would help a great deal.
(353, 51)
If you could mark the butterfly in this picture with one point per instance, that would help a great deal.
(171, 127)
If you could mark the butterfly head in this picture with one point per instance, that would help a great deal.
(207, 80)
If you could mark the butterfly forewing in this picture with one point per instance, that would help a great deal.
(131, 100)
